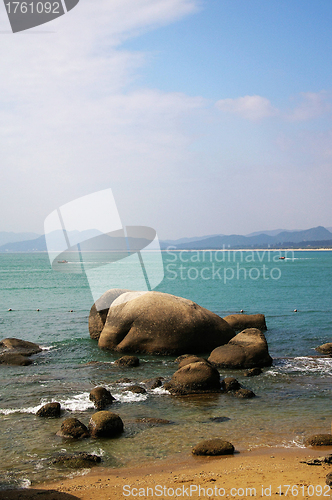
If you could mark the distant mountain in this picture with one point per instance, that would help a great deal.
(10, 237)
(299, 238)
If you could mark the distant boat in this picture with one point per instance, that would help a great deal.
(282, 258)
(62, 261)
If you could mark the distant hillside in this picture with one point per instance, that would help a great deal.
(314, 237)
(10, 237)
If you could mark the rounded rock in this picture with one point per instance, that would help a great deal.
(195, 378)
(101, 397)
(49, 410)
(127, 361)
(105, 424)
(73, 428)
(213, 447)
(319, 440)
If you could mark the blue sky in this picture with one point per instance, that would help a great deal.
(203, 117)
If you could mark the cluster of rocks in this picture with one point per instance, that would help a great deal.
(326, 439)
(163, 324)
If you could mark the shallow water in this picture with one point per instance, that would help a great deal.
(293, 396)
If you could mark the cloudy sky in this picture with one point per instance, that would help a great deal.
(202, 116)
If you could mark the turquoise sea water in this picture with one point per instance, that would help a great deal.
(293, 396)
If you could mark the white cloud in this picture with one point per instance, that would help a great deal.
(313, 105)
(250, 107)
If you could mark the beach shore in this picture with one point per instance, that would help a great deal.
(261, 473)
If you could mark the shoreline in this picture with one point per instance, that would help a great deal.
(259, 473)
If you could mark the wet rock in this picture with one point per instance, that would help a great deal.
(319, 440)
(49, 410)
(153, 421)
(191, 359)
(162, 324)
(195, 378)
(325, 349)
(253, 372)
(101, 397)
(10, 358)
(19, 346)
(99, 311)
(213, 447)
(230, 384)
(153, 383)
(219, 419)
(240, 322)
(77, 460)
(247, 349)
(105, 424)
(244, 394)
(73, 428)
(123, 380)
(136, 389)
(328, 480)
(128, 361)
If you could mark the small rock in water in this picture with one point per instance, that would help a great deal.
(52, 410)
(127, 361)
(73, 428)
(101, 397)
(319, 440)
(253, 372)
(244, 394)
(77, 460)
(105, 424)
(213, 447)
(136, 389)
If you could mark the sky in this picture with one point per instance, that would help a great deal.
(202, 116)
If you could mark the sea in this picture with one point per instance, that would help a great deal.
(293, 396)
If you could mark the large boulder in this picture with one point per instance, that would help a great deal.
(99, 311)
(160, 323)
(240, 322)
(247, 349)
(105, 424)
(194, 378)
(325, 349)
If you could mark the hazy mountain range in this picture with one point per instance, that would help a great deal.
(279, 238)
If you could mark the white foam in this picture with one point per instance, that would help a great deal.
(130, 397)
(160, 390)
(80, 402)
(302, 365)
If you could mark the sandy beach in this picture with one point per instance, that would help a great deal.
(268, 472)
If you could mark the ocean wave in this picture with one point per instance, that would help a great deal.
(302, 365)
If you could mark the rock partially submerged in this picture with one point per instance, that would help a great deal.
(194, 378)
(162, 324)
(105, 424)
(127, 361)
(319, 440)
(17, 352)
(101, 398)
(248, 349)
(213, 447)
(50, 410)
(72, 428)
(77, 460)
(325, 349)
(99, 311)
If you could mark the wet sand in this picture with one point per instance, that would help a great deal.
(261, 473)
